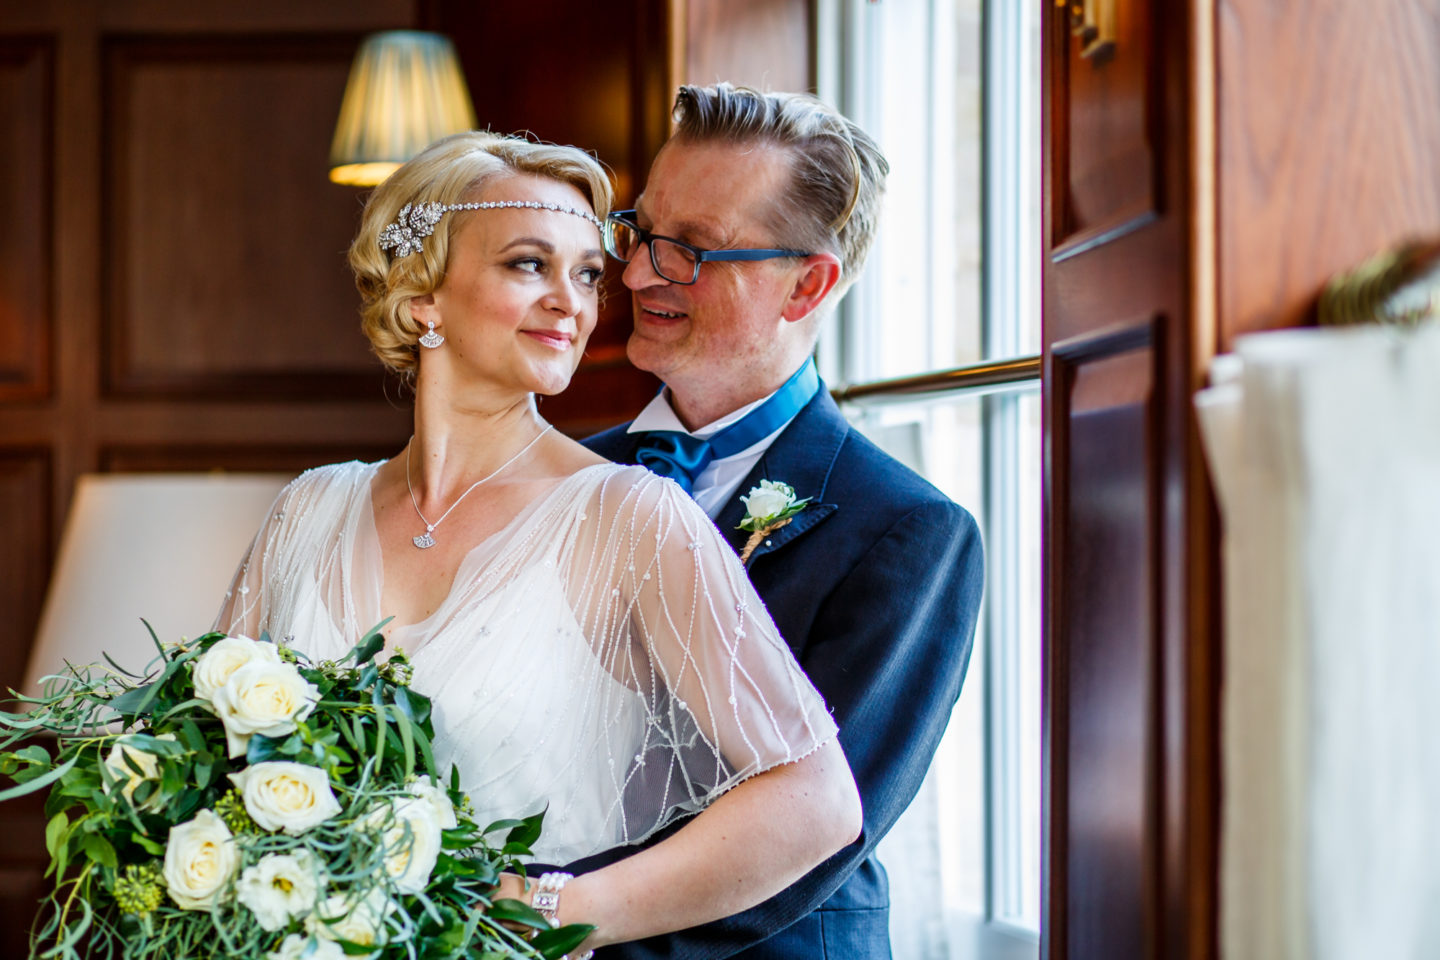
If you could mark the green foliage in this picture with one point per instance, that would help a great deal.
(110, 812)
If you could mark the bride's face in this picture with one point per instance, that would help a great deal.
(519, 299)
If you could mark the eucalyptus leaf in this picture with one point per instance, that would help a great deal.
(133, 701)
(553, 944)
(110, 660)
(514, 911)
(41, 781)
(155, 745)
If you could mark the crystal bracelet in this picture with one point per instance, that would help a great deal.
(546, 902)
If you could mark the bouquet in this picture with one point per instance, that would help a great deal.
(239, 801)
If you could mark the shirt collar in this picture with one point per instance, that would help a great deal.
(660, 415)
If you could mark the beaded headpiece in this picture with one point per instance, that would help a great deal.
(415, 222)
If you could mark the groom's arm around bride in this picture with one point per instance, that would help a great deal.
(875, 579)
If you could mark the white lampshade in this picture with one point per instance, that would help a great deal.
(405, 91)
(159, 546)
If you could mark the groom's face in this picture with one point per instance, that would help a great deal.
(725, 331)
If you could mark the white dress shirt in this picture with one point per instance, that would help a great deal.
(720, 480)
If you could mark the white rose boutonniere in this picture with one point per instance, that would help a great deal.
(768, 507)
(265, 698)
(280, 795)
(200, 859)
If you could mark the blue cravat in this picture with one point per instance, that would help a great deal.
(682, 457)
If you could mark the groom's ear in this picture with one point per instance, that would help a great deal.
(816, 277)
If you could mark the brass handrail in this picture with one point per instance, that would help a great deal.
(976, 376)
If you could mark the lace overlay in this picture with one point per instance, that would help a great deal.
(604, 654)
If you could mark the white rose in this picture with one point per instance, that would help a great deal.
(125, 772)
(265, 698)
(428, 790)
(280, 795)
(214, 667)
(409, 856)
(768, 499)
(200, 859)
(293, 948)
(360, 922)
(280, 888)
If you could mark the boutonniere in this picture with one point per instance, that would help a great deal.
(768, 507)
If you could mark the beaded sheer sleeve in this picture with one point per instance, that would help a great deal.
(603, 655)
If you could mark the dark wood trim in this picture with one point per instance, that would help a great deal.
(118, 54)
(21, 624)
(1089, 240)
(37, 383)
(1063, 360)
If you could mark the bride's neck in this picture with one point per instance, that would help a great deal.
(456, 445)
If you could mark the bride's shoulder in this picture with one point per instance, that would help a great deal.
(632, 488)
(332, 477)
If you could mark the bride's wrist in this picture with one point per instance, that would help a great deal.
(546, 900)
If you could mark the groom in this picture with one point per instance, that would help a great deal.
(756, 216)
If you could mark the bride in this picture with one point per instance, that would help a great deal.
(590, 642)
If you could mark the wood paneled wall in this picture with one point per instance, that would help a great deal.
(1328, 130)
(764, 44)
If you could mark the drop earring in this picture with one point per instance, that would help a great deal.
(431, 339)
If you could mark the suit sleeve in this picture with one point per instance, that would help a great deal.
(888, 652)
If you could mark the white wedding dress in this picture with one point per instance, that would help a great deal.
(603, 655)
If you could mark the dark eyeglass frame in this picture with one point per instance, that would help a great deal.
(626, 218)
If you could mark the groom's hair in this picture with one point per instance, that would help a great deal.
(837, 171)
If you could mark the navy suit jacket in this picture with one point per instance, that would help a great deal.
(876, 587)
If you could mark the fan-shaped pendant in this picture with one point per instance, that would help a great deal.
(431, 340)
(424, 541)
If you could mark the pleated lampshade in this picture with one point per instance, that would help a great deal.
(405, 91)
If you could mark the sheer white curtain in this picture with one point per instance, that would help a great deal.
(1325, 449)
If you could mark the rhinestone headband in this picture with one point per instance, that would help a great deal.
(415, 222)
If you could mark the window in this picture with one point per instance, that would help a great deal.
(951, 89)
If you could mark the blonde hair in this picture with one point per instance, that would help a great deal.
(448, 171)
(837, 172)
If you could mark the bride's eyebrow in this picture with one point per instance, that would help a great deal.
(545, 245)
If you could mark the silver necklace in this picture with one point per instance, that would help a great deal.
(425, 541)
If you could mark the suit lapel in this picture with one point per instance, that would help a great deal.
(615, 444)
(801, 456)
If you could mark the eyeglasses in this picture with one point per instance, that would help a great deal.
(673, 260)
